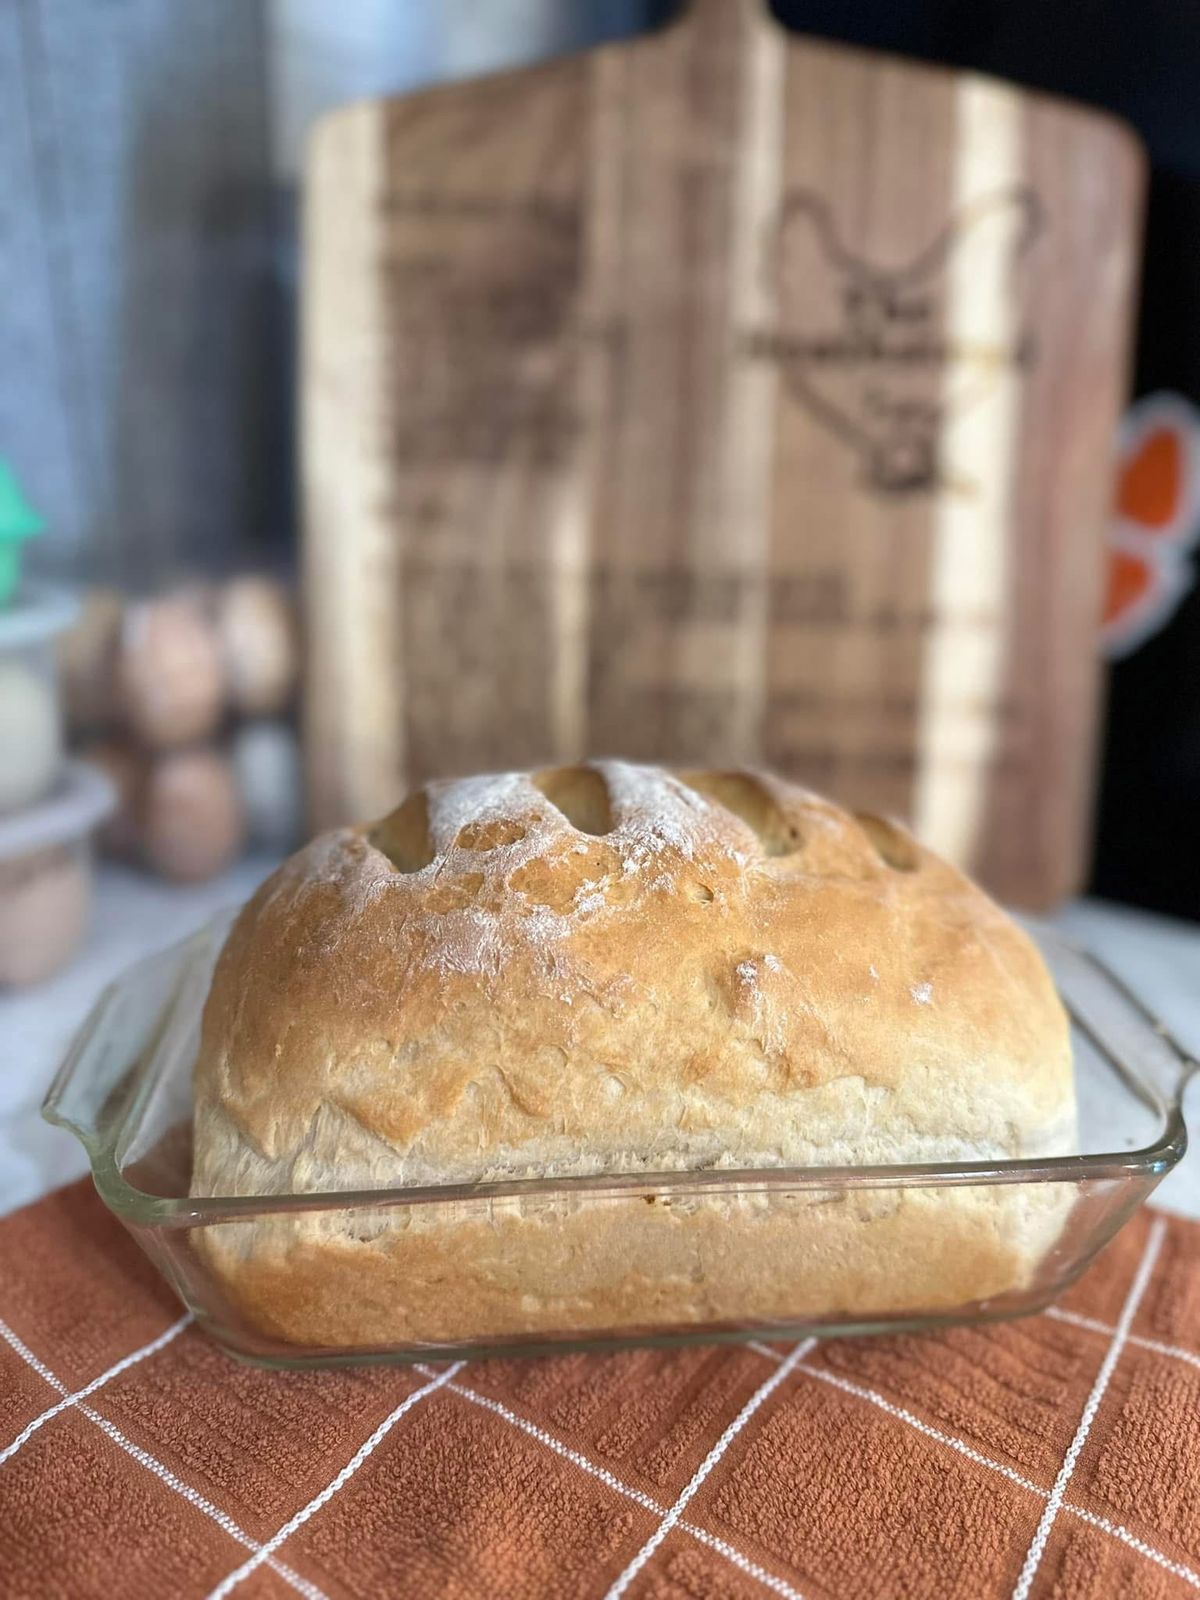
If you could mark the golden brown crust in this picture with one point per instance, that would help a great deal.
(609, 969)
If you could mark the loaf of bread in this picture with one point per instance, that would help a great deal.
(612, 970)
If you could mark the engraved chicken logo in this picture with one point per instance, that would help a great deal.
(888, 358)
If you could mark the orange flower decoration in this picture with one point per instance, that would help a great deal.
(1156, 520)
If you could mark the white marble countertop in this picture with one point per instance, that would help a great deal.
(136, 915)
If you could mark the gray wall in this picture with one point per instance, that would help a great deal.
(134, 255)
(149, 154)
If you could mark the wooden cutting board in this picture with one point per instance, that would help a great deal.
(720, 396)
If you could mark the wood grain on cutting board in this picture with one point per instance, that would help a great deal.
(720, 396)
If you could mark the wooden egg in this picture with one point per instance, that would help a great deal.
(87, 659)
(128, 769)
(257, 625)
(193, 825)
(170, 680)
(196, 591)
(45, 898)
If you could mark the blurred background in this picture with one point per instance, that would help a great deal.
(399, 389)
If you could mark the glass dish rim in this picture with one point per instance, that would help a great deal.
(143, 1209)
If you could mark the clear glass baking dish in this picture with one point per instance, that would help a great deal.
(718, 1255)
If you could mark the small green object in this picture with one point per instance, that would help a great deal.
(18, 522)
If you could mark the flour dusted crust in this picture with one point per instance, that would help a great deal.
(612, 969)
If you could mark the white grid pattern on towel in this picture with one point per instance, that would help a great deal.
(131, 1360)
(763, 1392)
(750, 1568)
(1116, 1530)
(1156, 1345)
(873, 1397)
(672, 1516)
(1187, 1574)
(1092, 1405)
(264, 1552)
(152, 1463)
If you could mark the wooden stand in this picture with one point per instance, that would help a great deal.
(720, 396)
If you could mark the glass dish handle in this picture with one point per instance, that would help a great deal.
(92, 1085)
(1142, 1048)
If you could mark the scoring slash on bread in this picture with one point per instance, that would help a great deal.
(615, 969)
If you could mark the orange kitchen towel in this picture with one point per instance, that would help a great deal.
(1055, 1456)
